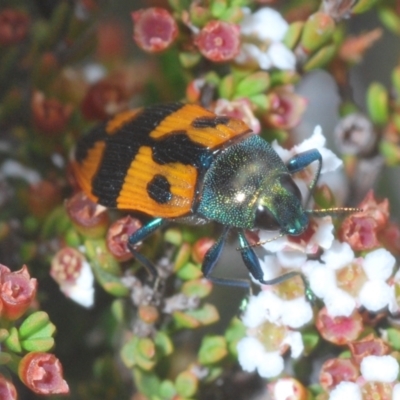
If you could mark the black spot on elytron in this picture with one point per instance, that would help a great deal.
(159, 189)
(122, 148)
(178, 147)
(210, 122)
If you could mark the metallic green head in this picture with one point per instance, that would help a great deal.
(278, 206)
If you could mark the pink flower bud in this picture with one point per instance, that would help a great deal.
(118, 235)
(339, 330)
(50, 117)
(219, 41)
(17, 291)
(368, 346)
(13, 26)
(155, 29)
(337, 370)
(361, 229)
(200, 248)
(43, 374)
(7, 389)
(89, 218)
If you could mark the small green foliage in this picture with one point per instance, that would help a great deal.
(189, 271)
(293, 34)
(12, 342)
(213, 349)
(378, 103)
(311, 339)
(186, 384)
(200, 288)
(320, 58)
(235, 331)
(253, 84)
(393, 335)
(317, 31)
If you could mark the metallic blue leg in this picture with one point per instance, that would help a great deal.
(302, 160)
(140, 235)
(210, 260)
(253, 264)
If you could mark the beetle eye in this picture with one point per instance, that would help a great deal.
(287, 182)
(265, 220)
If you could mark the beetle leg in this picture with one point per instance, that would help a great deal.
(302, 160)
(140, 235)
(253, 265)
(210, 260)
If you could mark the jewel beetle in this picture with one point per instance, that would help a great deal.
(182, 162)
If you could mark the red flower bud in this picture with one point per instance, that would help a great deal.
(89, 218)
(219, 41)
(368, 346)
(43, 197)
(7, 389)
(155, 29)
(339, 330)
(118, 235)
(17, 291)
(49, 115)
(361, 229)
(337, 370)
(13, 26)
(200, 249)
(111, 40)
(42, 373)
(104, 99)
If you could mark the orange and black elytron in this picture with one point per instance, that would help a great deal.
(181, 161)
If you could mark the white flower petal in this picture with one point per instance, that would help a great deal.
(271, 365)
(291, 259)
(250, 353)
(379, 264)
(338, 256)
(322, 280)
(396, 392)
(324, 233)
(255, 312)
(264, 24)
(284, 389)
(346, 390)
(379, 368)
(339, 303)
(296, 313)
(295, 341)
(375, 295)
(270, 267)
(281, 56)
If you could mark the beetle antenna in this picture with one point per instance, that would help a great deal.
(333, 211)
(261, 242)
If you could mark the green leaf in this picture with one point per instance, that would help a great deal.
(212, 350)
(378, 103)
(147, 382)
(189, 271)
(37, 325)
(186, 384)
(12, 342)
(393, 336)
(320, 58)
(200, 288)
(206, 315)
(40, 344)
(164, 344)
(253, 84)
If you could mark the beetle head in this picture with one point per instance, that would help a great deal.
(278, 206)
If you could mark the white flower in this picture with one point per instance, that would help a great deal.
(81, 290)
(346, 390)
(268, 28)
(379, 369)
(265, 312)
(373, 271)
